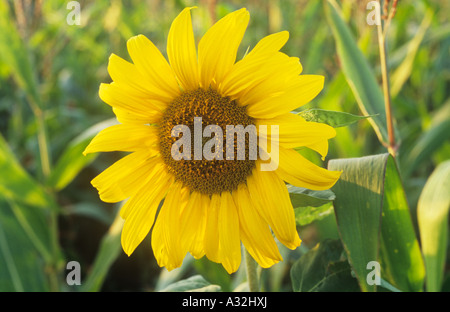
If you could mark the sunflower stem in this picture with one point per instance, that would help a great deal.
(252, 272)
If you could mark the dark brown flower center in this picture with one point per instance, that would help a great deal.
(206, 175)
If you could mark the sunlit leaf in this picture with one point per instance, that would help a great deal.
(375, 223)
(359, 196)
(309, 214)
(400, 254)
(432, 216)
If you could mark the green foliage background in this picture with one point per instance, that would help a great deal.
(49, 110)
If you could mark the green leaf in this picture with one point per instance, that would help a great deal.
(302, 197)
(359, 196)
(213, 272)
(35, 224)
(370, 202)
(167, 278)
(323, 269)
(432, 214)
(358, 72)
(400, 253)
(307, 215)
(331, 118)
(29, 203)
(109, 250)
(17, 184)
(21, 267)
(193, 283)
(72, 161)
(310, 205)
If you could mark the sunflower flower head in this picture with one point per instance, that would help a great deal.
(210, 205)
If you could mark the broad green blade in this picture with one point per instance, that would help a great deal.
(357, 72)
(400, 255)
(370, 191)
(72, 161)
(358, 203)
(432, 215)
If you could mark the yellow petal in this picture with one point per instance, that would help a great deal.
(193, 223)
(255, 69)
(263, 64)
(166, 245)
(255, 232)
(123, 137)
(229, 238)
(123, 179)
(299, 92)
(297, 170)
(271, 195)
(182, 52)
(127, 117)
(218, 48)
(130, 78)
(294, 131)
(158, 244)
(139, 211)
(153, 66)
(320, 147)
(271, 43)
(211, 238)
(117, 96)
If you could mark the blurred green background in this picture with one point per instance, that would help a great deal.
(50, 73)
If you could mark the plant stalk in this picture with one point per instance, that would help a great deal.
(252, 272)
(52, 265)
(391, 145)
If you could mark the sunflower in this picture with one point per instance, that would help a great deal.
(199, 206)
